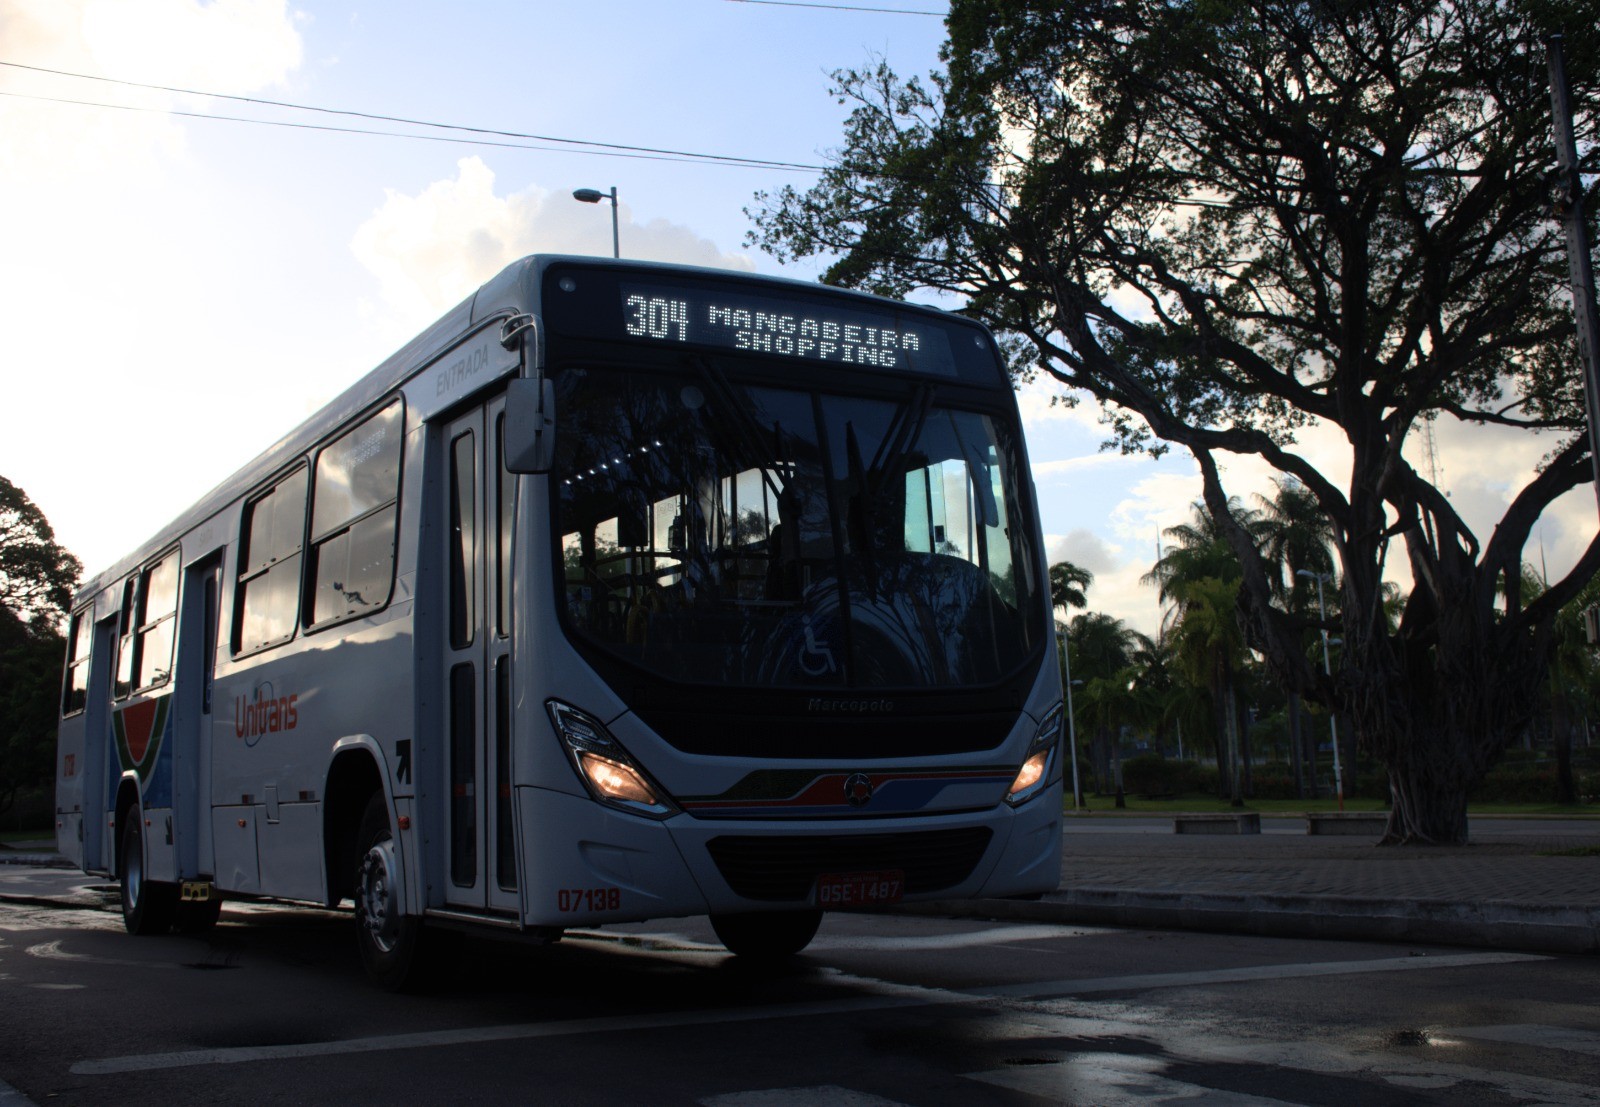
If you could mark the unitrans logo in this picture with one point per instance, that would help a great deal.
(267, 713)
(853, 707)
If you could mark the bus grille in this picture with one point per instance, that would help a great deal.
(785, 868)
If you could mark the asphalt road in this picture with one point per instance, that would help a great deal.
(272, 1008)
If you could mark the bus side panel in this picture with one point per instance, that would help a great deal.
(233, 835)
(289, 845)
(70, 772)
(278, 717)
(592, 865)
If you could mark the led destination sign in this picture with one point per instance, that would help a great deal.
(786, 328)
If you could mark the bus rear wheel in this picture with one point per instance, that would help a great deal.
(148, 906)
(390, 943)
(767, 935)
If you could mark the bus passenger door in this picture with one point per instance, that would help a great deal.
(477, 501)
(196, 670)
(99, 754)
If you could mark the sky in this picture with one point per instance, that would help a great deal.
(177, 292)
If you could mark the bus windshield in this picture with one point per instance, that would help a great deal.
(721, 532)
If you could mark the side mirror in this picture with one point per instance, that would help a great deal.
(530, 425)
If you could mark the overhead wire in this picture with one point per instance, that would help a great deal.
(838, 7)
(596, 147)
(689, 159)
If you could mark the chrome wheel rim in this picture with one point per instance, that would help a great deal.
(377, 896)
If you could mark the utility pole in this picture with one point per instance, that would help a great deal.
(1567, 204)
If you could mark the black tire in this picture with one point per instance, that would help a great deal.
(767, 935)
(148, 906)
(391, 944)
(199, 916)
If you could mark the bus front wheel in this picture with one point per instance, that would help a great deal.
(767, 935)
(390, 943)
(148, 906)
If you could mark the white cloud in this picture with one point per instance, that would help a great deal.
(230, 46)
(430, 250)
(1071, 466)
(1043, 409)
(108, 286)
(1084, 548)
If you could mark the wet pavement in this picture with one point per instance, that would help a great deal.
(1526, 884)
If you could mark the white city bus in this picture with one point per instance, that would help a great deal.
(625, 591)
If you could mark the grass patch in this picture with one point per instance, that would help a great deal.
(1575, 851)
(40, 834)
(1206, 804)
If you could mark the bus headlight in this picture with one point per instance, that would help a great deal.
(607, 771)
(1038, 768)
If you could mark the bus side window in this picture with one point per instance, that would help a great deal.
(353, 510)
(125, 641)
(158, 610)
(75, 689)
(269, 565)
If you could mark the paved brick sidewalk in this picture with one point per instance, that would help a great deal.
(1494, 867)
(1503, 891)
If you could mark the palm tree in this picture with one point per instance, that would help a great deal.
(1298, 539)
(1199, 579)
(1574, 679)
(1209, 644)
(1101, 647)
(1069, 584)
(1296, 535)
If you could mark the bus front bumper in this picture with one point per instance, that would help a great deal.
(607, 866)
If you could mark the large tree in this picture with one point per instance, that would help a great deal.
(37, 576)
(1227, 220)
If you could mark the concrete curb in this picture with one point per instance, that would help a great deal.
(1487, 924)
(38, 860)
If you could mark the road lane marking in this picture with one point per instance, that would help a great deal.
(1114, 1080)
(673, 942)
(823, 1095)
(1151, 981)
(52, 951)
(993, 936)
(1532, 1034)
(10, 1097)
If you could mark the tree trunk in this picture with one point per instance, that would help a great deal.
(1219, 743)
(1236, 775)
(1296, 747)
(1247, 786)
(1102, 761)
(1561, 731)
(1422, 814)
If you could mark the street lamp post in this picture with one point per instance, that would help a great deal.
(594, 196)
(1327, 668)
(1072, 723)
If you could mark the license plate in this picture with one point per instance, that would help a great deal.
(876, 889)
